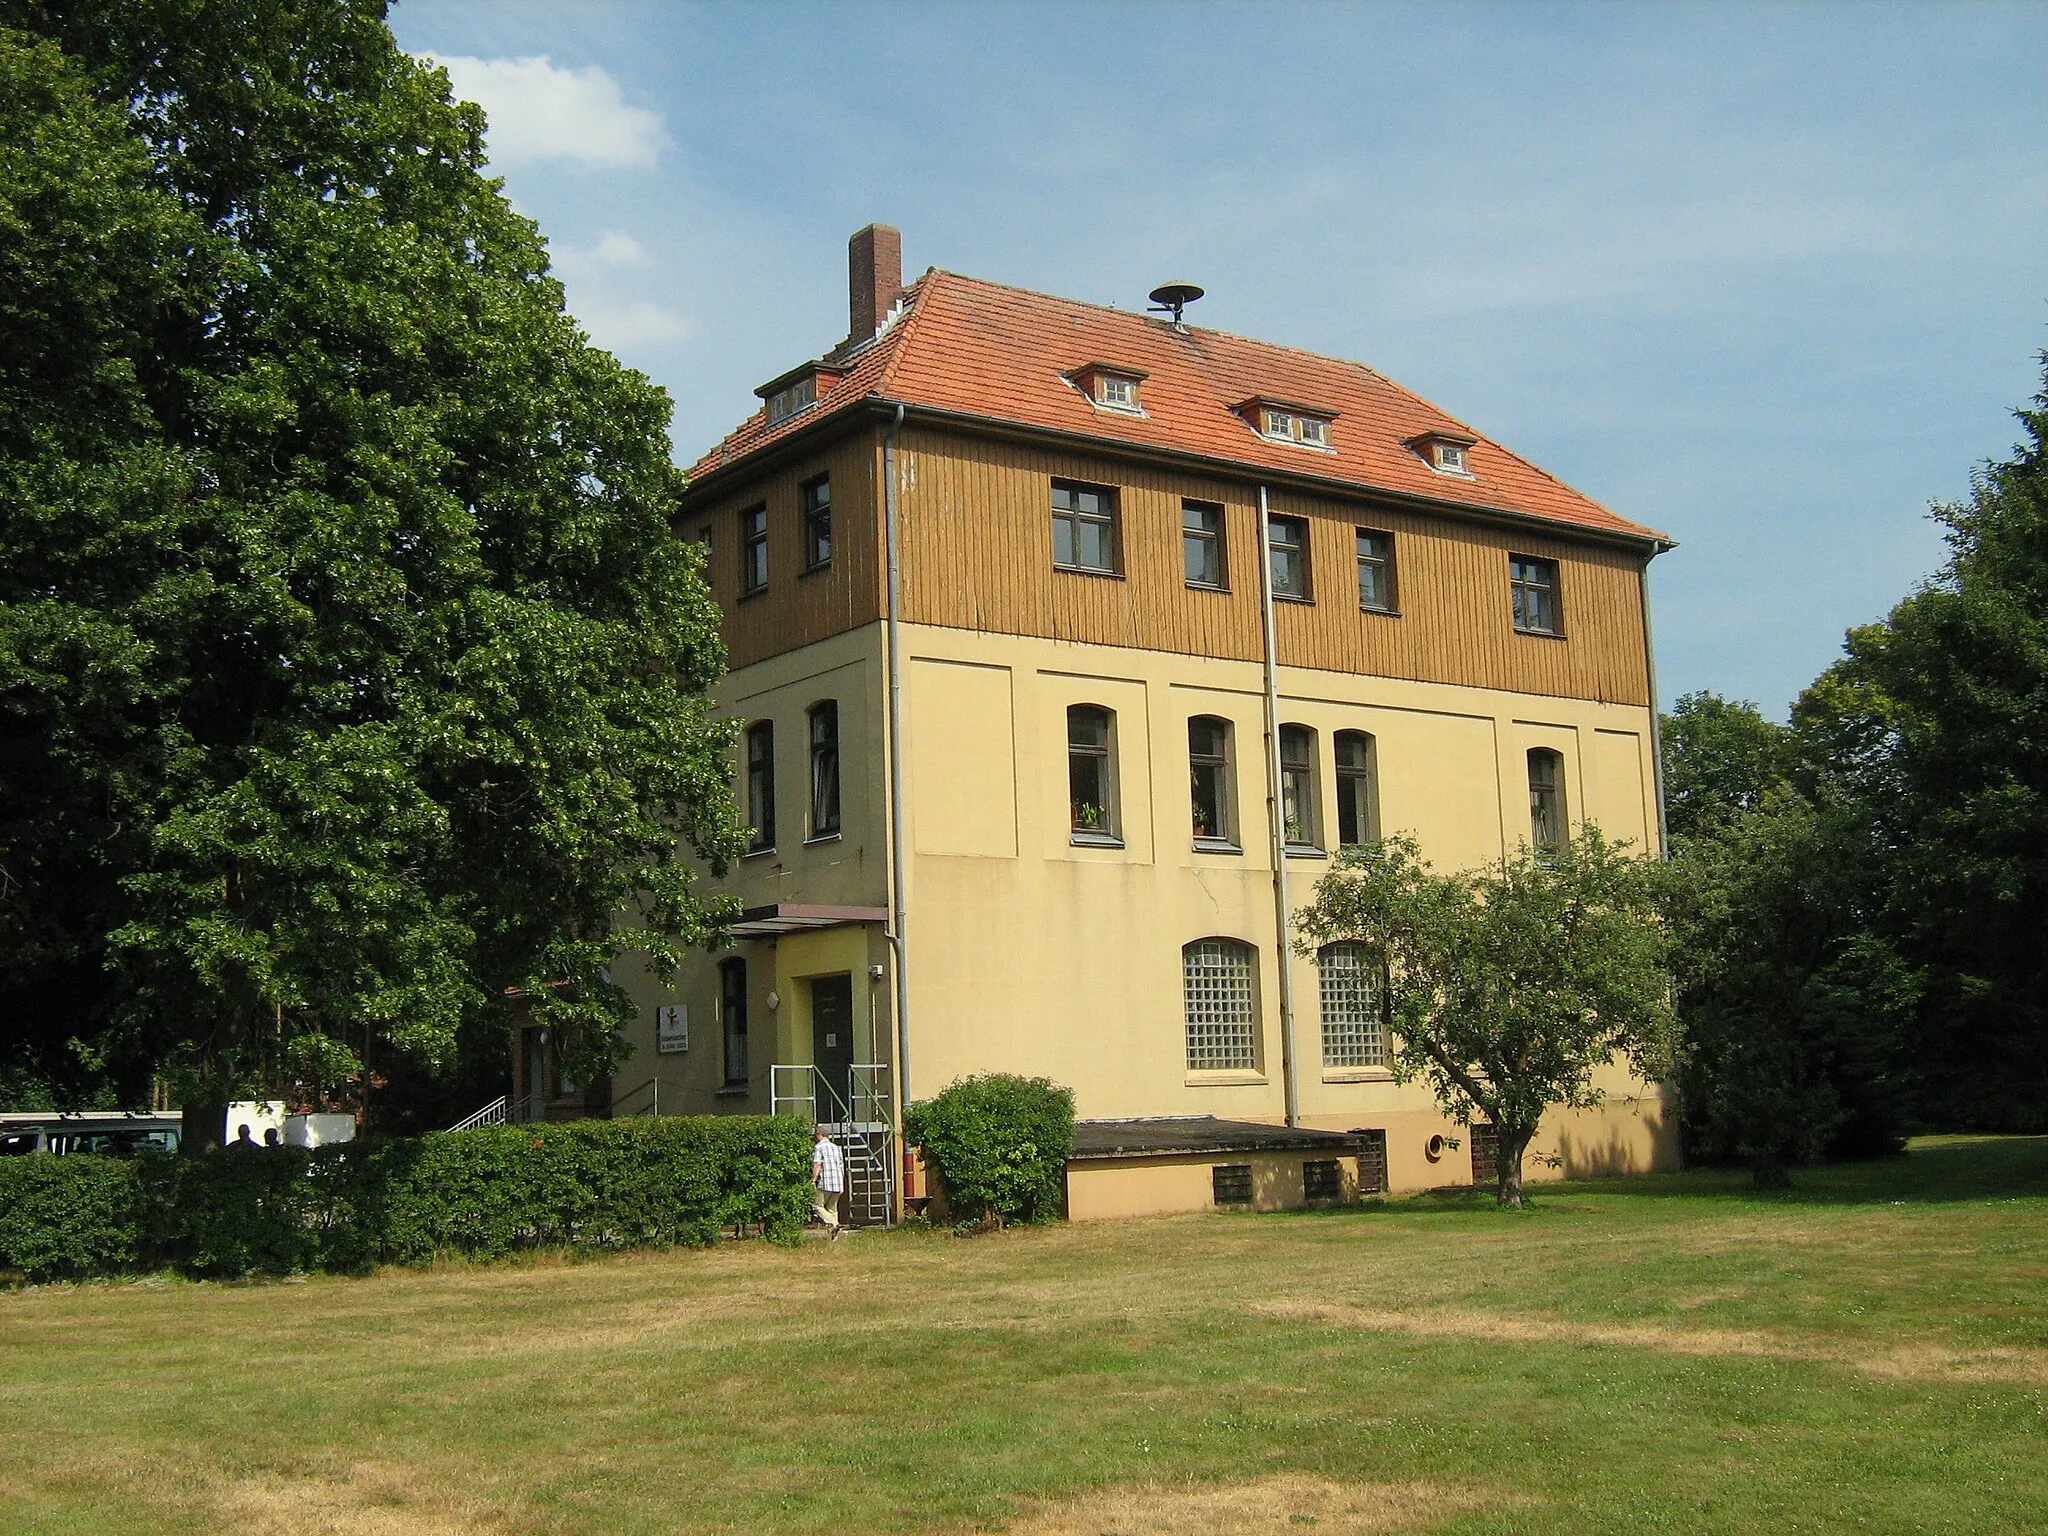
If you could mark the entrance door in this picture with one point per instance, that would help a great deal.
(832, 1040)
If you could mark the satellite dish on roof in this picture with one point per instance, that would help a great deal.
(1172, 298)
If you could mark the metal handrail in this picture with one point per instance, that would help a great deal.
(858, 1121)
(493, 1113)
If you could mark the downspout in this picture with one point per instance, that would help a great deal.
(896, 898)
(1276, 821)
(1656, 729)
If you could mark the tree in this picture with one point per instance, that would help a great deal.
(1934, 726)
(1720, 757)
(1794, 1009)
(1507, 988)
(351, 674)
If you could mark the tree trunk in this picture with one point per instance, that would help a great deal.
(1514, 1141)
(205, 1118)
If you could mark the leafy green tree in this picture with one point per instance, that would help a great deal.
(351, 673)
(1794, 1009)
(1508, 988)
(1934, 727)
(1720, 757)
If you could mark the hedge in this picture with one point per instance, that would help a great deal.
(1000, 1144)
(486, 1193)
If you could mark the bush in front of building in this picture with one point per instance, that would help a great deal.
(1000, 1145)
(482, 1193)
(68, 1217)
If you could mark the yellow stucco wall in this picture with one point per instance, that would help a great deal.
(1029, 954)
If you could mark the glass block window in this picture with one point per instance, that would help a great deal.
(1231, 1183)
(1221, 1012)
(1354, 1033)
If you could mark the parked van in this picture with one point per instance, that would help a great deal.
(101, 1133)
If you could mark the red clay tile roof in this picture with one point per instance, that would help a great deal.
(980, 349)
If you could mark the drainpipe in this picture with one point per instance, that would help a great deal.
(1276, 820)
(896, 901)
(1656, 729)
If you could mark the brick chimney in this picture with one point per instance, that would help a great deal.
(874, 272)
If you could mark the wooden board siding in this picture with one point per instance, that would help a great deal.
(977, 552)
(798, 607)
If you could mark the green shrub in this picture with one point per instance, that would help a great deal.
(65, 1217)
(484, 1193)
(1000, 1144)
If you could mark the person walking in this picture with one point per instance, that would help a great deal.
(828, 1180)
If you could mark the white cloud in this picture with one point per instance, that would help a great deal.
(623, 326)
(539, 112)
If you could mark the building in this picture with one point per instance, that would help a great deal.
(999, 633)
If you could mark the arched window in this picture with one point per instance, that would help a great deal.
(732, 1014)
(761, 786)
(1354, 1031)
(1220, 991)
(1358, 789)
(1298, 798)
(1209, 779)
(825, 769)
(1091, 774)
(1546, 798)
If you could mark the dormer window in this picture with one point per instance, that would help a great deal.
(796, 390)
(785, 403)
(1444, 452)
(1282, 422)
(1109, 387)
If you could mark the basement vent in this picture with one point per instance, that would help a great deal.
(1322, 1179)
(1231, 1183)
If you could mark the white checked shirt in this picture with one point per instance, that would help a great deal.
(828, 1167)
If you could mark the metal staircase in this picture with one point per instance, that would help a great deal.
(859, 1120)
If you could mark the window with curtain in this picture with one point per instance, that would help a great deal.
(1298, 799)
(1358, 794)
(825, 768)
(732, 1015)
(1546, 798)
(761, 786)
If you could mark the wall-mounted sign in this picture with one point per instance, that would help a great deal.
(672, 1028)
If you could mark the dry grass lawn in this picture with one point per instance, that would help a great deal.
(1867, 1353)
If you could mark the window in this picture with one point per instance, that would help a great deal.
(1322, 1179)
(1091, 774)
(1450, 458)
(825, 769)
(1546, 798)
(761, 785)
(1231, 1183)
(1298, 786)
(753, 551)
(1083, 527)
(1117, 391)
(1221, 1016)
(1533, 585)
(1288, 539)
(1209, 781)
(732, 1013)
(818, 523)
(1354, 1032)
(1201, 544)
(785, 403)
(1375, 571)
(1294, 427)
(1358, 790)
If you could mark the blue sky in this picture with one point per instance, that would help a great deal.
(1770, 278)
